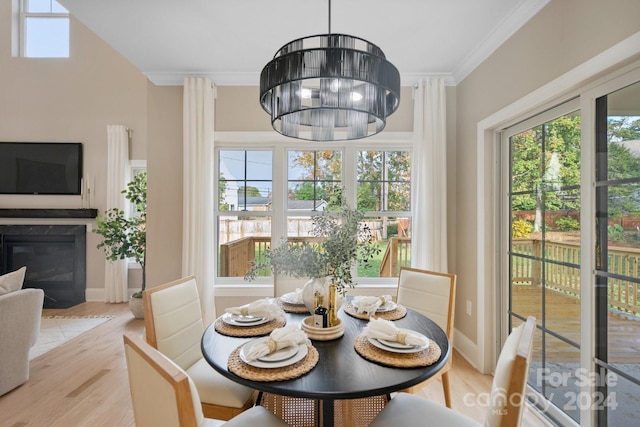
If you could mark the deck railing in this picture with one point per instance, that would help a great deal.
(397, 254)
(622, 294)
(236, 255)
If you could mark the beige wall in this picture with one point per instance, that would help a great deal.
(71, 100)
(559, 38)
(164, 186)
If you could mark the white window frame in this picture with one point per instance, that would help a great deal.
(19, 23)
(135, 166)
(387, 141)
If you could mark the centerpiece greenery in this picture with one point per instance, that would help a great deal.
(340, 240)
(127, 237)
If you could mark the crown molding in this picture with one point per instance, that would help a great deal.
(253, 79)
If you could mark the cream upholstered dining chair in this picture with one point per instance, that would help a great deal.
(162, 393)
(173, 325)
(507, 392)
(433, 295)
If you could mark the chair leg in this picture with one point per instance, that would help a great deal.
(410, 390)
(447, 389)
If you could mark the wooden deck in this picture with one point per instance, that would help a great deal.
(563, 317)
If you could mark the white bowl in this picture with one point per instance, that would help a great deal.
(322, 334)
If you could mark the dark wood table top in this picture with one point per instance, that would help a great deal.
(341, 373)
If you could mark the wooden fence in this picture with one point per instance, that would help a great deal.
(622, 294)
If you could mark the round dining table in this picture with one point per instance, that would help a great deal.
(340, 373)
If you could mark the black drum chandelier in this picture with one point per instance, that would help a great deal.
(329, 87)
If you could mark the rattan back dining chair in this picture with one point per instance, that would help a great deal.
(162, 394)
(173, 325)
(506, 402)
(431, 294)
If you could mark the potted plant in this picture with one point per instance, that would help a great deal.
(340, 239)
(124, 237)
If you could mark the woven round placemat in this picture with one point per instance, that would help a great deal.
(247, 331)
(397, 313)
(292, 308)
(426, 357)
(246, 371)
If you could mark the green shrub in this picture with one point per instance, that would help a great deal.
(521, 228)
(567, 223)
(615, 231)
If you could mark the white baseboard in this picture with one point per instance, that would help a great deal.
(467, 348)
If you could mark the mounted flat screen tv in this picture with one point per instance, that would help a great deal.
(40, 168)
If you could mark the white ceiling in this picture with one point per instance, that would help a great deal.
(231, 40)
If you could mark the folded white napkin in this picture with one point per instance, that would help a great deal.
(294, 297)
(280, 338)
(386, 330)
(264, 307)
(365, 304)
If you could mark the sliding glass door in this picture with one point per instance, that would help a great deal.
(617, 257)
(544, 245)
(571, 186)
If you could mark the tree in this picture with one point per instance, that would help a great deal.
(623, 163)
(127, 237)
(546, 167)
(222, 188)
(319, 176)
(251, 191)
(384, 180)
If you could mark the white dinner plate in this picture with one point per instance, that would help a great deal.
(300, 352)
(280, 355)
(246, 319)
(396, 347)
(290, 298)
(230, 319)
(395, 344)
(387, 306)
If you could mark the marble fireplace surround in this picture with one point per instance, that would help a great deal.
(55, 254)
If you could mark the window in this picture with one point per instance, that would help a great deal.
(136, 167)
(315, 179)
(244, 208)
(384, 192)
(267, 193)
(245, 180)
(44, 29)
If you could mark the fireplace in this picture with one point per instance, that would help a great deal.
(55, 256)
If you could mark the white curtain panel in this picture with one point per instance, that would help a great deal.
(115, 272)
(429, 177)
(198, 214)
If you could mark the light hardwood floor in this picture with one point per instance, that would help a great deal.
(84, 382)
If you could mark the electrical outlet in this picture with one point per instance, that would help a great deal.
(468, 308)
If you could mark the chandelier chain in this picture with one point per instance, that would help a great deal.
(329, 17)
